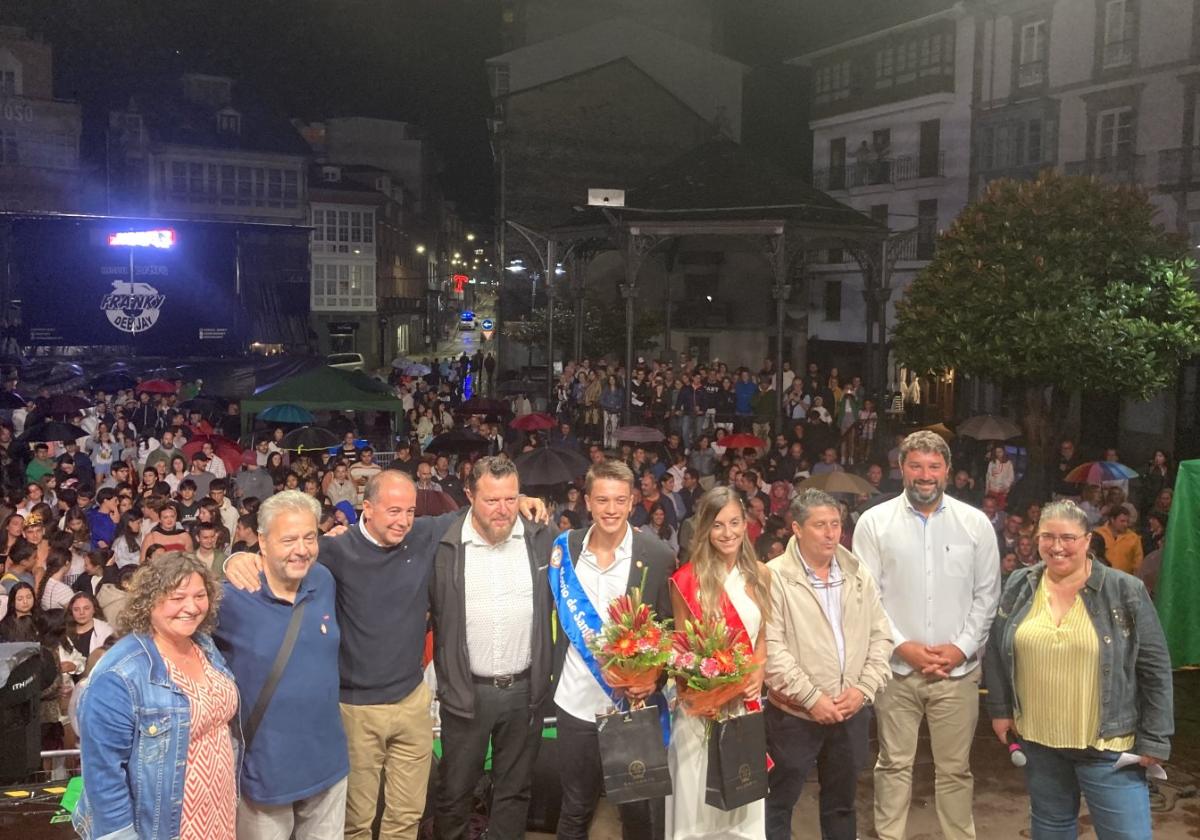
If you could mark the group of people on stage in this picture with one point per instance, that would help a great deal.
(291, 709)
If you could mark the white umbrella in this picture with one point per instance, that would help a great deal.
(989, 427)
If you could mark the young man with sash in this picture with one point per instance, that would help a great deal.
(588, 568)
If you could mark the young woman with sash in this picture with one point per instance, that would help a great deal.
(723, 580)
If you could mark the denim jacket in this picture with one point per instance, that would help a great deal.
(1135, 668)
(134, 724)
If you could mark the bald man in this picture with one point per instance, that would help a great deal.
(381, 568)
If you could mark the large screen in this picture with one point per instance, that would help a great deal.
(158, 287)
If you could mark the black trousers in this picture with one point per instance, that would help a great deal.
(503, 716)
(839, 751)
(583, 780)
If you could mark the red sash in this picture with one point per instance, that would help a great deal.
(685, 581)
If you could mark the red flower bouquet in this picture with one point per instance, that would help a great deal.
(632, 647)
(712, 666)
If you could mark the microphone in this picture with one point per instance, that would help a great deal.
(1015, 754)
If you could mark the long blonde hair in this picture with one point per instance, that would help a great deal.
(708, 565)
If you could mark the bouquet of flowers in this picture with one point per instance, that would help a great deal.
(632, 647)
(712, 665)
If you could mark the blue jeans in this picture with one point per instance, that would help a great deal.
(1118, 800)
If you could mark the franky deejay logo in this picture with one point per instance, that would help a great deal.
(132, 307)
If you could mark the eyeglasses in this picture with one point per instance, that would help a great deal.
(1067, 540)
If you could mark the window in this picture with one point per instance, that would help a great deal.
(1114, 134)
(339, 231)
(930, 151)
(1118, 33)
(837, 163)
(928, 54)
(927, 220)
(343, 285)
(1017, 143)
(9, 149)
(229, 122)
(499, 79)
(832, 82)
(230, 186)
(879, 213)
(833, 300)
(8, 83)
(1031, 69)
(10, 74)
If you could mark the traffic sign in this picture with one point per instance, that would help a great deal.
(487, 324)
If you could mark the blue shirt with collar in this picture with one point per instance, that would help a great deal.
(300, 747)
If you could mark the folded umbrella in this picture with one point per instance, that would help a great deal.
(640, 434)
(989, 427)
(308, 439)
(1097, 472)
(287, 413)
(550, 465)
(536, 422)
(839, 482)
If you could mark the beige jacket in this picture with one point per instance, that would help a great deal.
(802, 658)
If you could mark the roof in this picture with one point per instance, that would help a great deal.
(724, 181)
(172, 118)
(325, 389)
(707, 82)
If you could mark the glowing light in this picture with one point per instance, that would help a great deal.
(470, 237)
(143, 239)
(420, 249)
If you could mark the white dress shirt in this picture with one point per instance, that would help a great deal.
(578, 694)
(499, 602)
(938, 575)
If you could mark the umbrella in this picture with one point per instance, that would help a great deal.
(640, 434)
(1095, 472)
(227, 450)
(535, 422)
(401, 361)
(67, 405)
(157, 386)
(415, 369)
(550, 465)
(308, 438)
(205, 405)
(989, 427)
(458, 440)
(839, 482)
(114, 380)
(941, 430)
(52, 431)
(11, 400)
(742, 441)
(483, 405)
(434, 503)
(287, 413)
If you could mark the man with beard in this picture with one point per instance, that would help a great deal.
(936, 562)
(491, 610)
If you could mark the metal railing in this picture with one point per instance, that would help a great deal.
(1031, 73)
(888, 170)
(1115, 169)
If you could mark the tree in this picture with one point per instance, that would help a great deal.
(1059, 282)
(603, 328)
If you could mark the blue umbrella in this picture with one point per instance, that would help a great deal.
(287, 413)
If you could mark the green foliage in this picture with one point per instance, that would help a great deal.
(1060, 281)
(603, 328)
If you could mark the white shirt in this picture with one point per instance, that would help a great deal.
(499, 602)
(578, 694)
(217, 467)
(938, 576)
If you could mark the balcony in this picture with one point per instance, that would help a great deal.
(1171, 171)
(920, 244)
(1031, 74)
(885, 171)
(1117, 169)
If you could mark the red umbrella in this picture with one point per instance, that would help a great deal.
(741, 440)
(535, 422)
(227, 450)
(157, 386)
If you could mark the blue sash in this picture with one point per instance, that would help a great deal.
(580, 622)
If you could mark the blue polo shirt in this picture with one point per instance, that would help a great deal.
(300, 748)
(102, 527)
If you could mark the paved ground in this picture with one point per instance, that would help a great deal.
(1001, 804)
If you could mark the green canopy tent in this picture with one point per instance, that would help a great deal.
(1177, 594)
(324, 389)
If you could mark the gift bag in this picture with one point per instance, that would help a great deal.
(737, 762)
(633, 756)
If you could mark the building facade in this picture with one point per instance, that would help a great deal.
(39, 135)
(891, 123)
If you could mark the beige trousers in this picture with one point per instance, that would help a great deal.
(951, 708)
(396, 741)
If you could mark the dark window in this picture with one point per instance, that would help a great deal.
(700, 286)
(927, 212)
(833, 300)
(879, 213)
(835, 255)
(929, 165)
(837, 163)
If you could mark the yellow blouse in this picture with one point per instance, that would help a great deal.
(1058, 678)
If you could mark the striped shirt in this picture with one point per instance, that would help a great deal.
(829, 597)
(1058, 678)
(499, 602)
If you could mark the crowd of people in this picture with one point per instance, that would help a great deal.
(261, 626)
